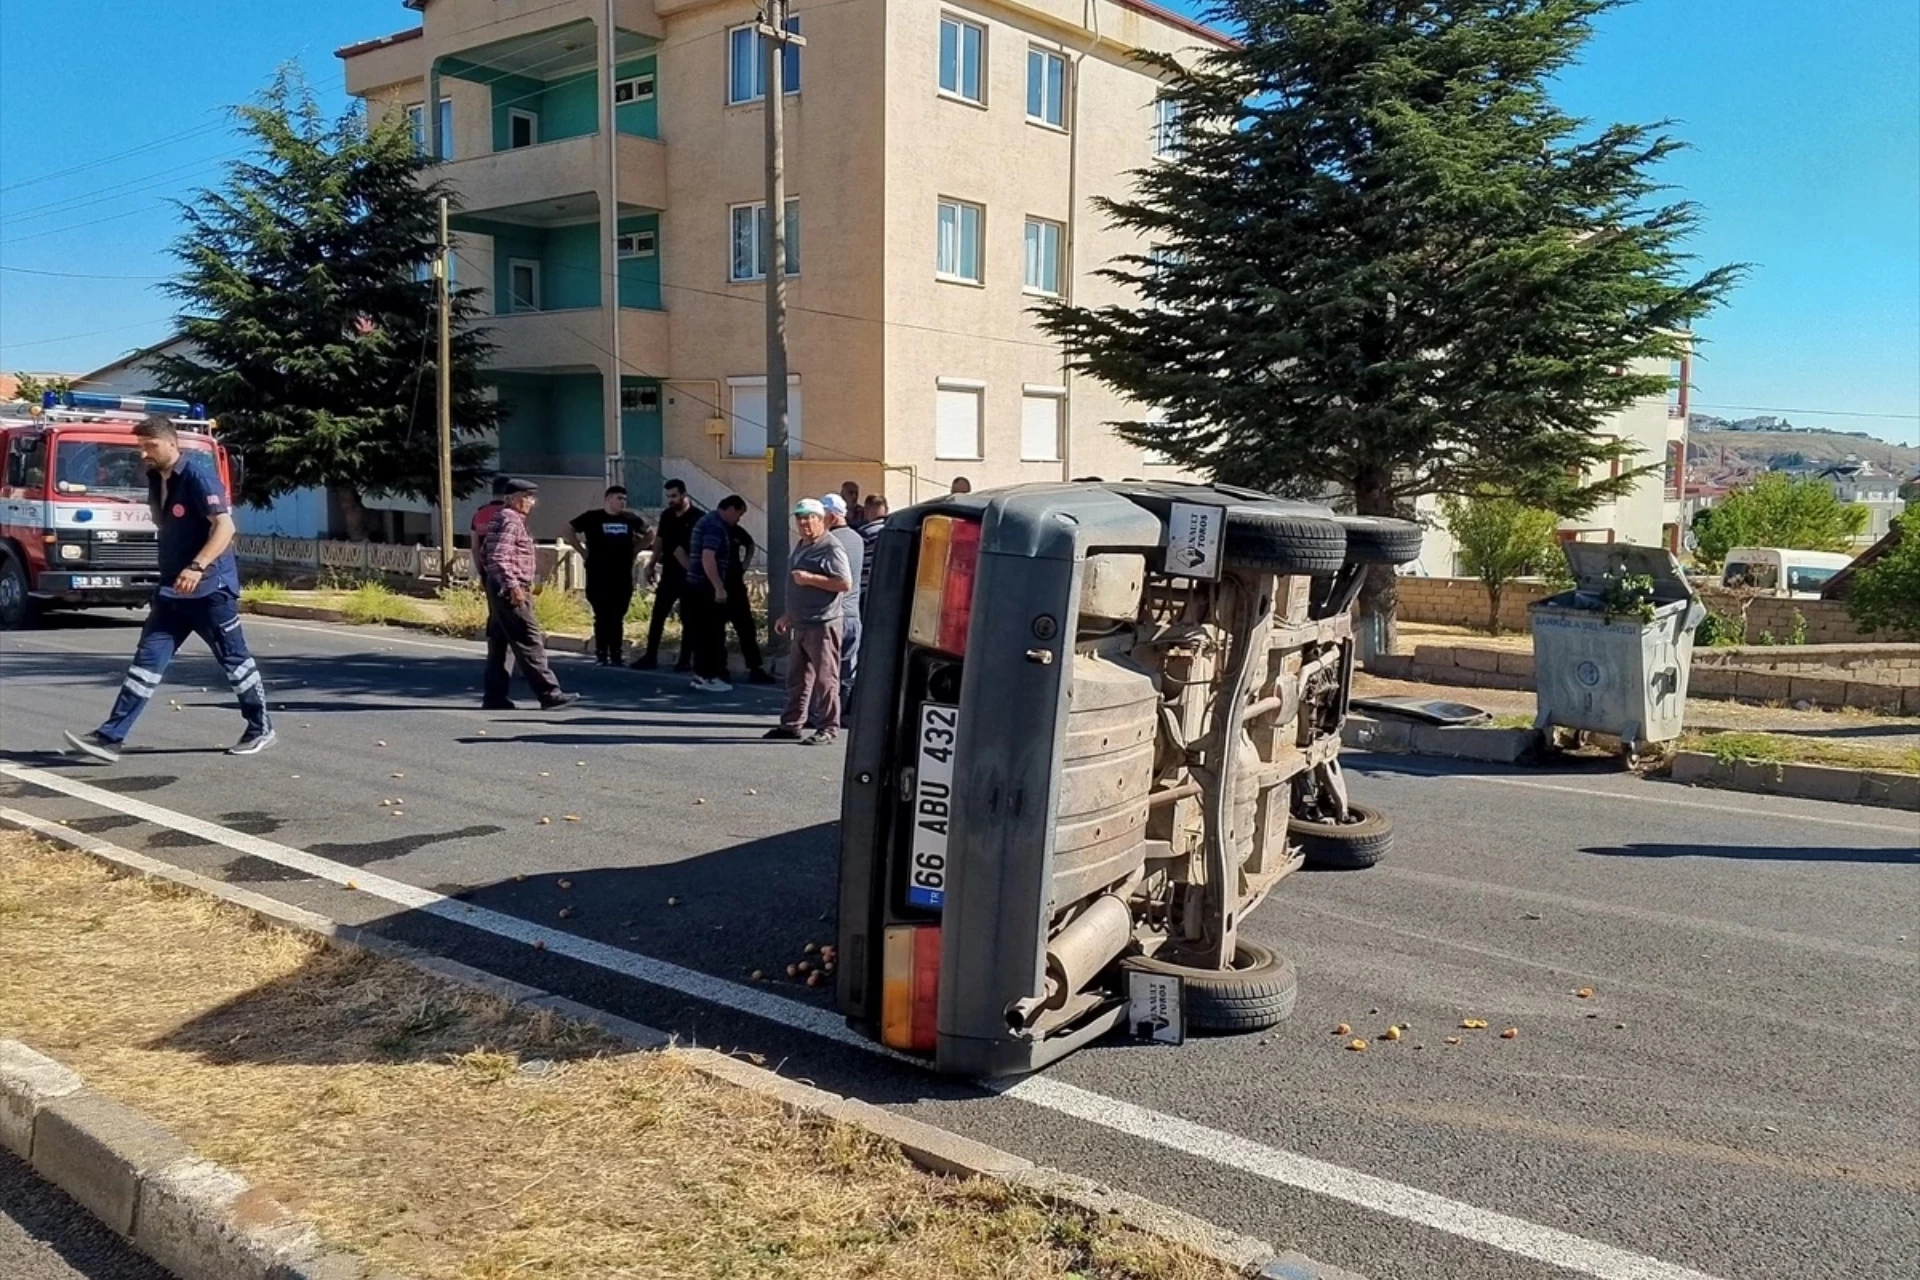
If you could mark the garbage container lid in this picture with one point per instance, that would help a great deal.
(1591, 562)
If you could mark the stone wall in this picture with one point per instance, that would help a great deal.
(1462, 602)
(1882, 678)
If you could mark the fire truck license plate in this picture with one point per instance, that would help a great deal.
(932, 806)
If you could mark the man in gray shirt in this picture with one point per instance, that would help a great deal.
(821, 579)
(856, 546)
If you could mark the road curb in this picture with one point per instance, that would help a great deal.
(1805, 781)
(933, 1149)
(197, 1219)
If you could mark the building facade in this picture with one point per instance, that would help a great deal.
(1652, 513)
(942, 163)
(1876, 489)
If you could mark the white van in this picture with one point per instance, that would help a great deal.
(1781, 571)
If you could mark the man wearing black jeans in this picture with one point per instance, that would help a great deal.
(668, 573)
(739, 608)
(703, 609)
(610, 537)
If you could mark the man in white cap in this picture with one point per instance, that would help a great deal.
(821, 579)
(849, 537)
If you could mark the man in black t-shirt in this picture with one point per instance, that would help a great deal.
(611, 538)
(669, 570)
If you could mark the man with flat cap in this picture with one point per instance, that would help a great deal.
(511, 569)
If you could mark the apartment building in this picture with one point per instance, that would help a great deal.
(1652, 513)
(942, 160)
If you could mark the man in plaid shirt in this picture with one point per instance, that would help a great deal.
(511, 569)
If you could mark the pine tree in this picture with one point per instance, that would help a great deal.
(1385, 265)
(308, 300)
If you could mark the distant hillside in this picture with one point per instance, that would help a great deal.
(1775, 442)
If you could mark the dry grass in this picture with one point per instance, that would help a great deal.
(1792, 748)
(452, 1137)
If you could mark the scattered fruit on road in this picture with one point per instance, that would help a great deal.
(1474, 1024)
(1510, 1033)
(1343, 1030)
(1356, 1046)
(1453, 1039)
(544, 822)
(1585, 993)
(1391, 1033)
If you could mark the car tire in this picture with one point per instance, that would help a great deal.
(1283, 543)
(1257, 993)
(16, 607)
(1343, 846)
(1380, 540)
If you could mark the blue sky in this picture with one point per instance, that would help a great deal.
(1804, 119)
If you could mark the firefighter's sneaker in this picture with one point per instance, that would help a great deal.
(92, 745)
(253, 742)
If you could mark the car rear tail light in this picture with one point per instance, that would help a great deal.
(943, 584)
(910, 987)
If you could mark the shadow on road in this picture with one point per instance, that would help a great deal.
(1758, 853)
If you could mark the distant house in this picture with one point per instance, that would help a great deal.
(1876, 489)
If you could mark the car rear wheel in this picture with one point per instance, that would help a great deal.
(1265, 541)
(1379, 540)
(1357, 843)
(15, 606)
(1257, 993)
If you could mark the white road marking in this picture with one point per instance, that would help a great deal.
(1365, 1191)
(1591, 793)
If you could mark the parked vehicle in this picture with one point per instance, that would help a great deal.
(1782, 571)
(1097, 724)
(75, 528)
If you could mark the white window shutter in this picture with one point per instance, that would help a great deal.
(956, 428)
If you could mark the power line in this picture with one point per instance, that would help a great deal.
(77, 275)
(1823, 413)
(91, 333)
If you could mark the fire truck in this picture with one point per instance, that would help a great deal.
(75, 527)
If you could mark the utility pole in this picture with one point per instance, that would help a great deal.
(773, 29)
(443, 295)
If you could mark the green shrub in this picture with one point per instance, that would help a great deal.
(375, 602)
(1720, 631)
(263, 593)
(465, 611)
(559, 611)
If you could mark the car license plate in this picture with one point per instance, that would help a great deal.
(99, 580)
(932, 806)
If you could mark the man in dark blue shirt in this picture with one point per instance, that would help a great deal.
(199, 594)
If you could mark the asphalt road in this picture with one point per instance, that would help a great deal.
(45, 1236)
(1736, 1100)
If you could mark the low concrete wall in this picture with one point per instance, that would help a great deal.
(1881, 678)
(1462, 602)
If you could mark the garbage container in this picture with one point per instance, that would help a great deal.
(1614, 672)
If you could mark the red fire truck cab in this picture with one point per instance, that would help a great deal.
(75, 528)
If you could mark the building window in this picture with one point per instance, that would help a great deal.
(1046, 88)
(417, 126)
(749, 416)
(523, 128)
(963, 56)
(523, 284)
(956, 420)
(1168, 131)
(1040, 419)
(639, 399)
(747, 64)
(635, 244)
(959, 256)
(1043, 256)
(633, 89)
(753, 241)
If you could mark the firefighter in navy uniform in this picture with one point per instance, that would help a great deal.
(199, 594)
